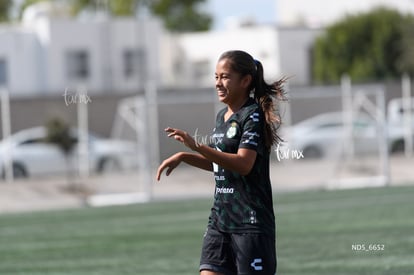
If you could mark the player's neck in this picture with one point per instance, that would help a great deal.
(236, 106)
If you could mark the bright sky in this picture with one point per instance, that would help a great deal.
(289, 11)
(223, 11)
(321, 12)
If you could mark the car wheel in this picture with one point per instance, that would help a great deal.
(19, 171)
(312, 152)
(108, 164)
(398, 146)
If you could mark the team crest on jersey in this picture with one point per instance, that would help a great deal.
(232, 131)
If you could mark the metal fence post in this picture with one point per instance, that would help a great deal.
(6, 127)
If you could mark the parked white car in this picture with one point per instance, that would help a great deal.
(324, 135)
(32, 156)
(397, 120)
(396, 111)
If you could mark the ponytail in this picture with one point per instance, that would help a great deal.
(267, 96)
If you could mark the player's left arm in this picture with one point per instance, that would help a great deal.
(242, 162)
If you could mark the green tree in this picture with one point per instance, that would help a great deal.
(182, 15)
(370, 46)
(405, 63)
(115, 7)
(58, 133)
(177, 15)
(27, 3)
(5, 6)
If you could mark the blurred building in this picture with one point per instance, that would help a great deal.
(203, 49)
(283, 51)
(50, 52)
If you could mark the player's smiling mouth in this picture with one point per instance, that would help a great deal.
(221, 92)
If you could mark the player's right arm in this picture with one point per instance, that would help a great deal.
(192, 159)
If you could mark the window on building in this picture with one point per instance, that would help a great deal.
(134, 63)
(77, 64)
(3, 72)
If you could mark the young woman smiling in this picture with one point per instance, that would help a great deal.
(241, 234)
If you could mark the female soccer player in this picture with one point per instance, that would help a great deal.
(240, 236)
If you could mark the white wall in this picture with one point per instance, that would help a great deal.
(36, 53)
(283, 51)
(20, 51)
(65, 36)
(105, 42)
(125, 35)
(260, 41)
(295, 53)
(136, 34)
(174, 63)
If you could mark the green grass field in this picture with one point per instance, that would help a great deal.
(316, 231)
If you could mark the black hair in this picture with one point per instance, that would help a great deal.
(266, 95)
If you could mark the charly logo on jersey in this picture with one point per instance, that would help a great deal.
(232, 131)
(255, 117)
(257, 264)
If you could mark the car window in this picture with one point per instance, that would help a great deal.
(361, 124)
(40, 141)
(329, 125)
(32, 141)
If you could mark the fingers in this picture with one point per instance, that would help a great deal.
(169, 163)
(159, 172)
(177, 134)
(182, 137)
(169, 170)
(171, 132)
(161, 169)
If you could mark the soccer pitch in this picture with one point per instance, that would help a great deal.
(366, 231)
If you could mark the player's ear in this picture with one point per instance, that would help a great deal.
(246, 80)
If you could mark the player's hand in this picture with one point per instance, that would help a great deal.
(183, 137)
(171, 163)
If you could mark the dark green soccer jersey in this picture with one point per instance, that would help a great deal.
(242, 204)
